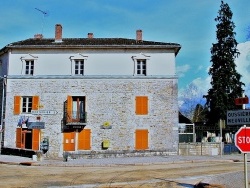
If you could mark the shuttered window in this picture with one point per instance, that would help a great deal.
(25, 104)
(84, 138)
(141, 105)
(141, 139)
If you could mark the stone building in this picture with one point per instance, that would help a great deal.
(89, 95)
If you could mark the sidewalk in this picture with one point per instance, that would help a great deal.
(17, 160)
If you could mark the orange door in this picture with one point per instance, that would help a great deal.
(141, 139)
(69, 141)
(19, 137)
(84, 139)
(35, 139)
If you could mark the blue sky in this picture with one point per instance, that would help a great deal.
(187, 22)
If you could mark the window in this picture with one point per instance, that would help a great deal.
(141, 105)
(29, 67)
(25, 104)
(141, 67)
(79, 67)
(75, 109)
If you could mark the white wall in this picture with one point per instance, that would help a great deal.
(96, 63)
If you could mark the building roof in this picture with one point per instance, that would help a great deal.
(91, 43)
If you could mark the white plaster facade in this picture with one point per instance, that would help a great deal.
(109, 84)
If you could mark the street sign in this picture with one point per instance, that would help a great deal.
(241, 101)
(238, 117)
(242, 139)
(44, 112)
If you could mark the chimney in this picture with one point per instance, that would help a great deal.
(38, 36)
(139, 35)
(90, 35)
(58, 33)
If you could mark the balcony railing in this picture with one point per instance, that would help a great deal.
(75, 117)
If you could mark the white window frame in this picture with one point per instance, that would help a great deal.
(79, 67)
(77, 58)
(26, 104)
(29, 67)
(28, 59)
(141, 67)
(141, 59)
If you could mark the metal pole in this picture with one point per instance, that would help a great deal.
(245, 156)
(245, 170)
(220, 138)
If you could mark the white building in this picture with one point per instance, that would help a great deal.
(90, 94)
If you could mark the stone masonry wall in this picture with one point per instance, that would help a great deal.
(110, 100)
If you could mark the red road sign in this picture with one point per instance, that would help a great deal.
(241, 101)
(242, 139)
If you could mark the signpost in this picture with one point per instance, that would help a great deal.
(242, 137)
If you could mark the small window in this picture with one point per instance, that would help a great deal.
(141, 67)
(79, 67)
(29, 67)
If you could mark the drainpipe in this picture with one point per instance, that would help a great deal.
(2, 109)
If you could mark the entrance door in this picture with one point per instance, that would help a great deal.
(84, 139)
(141, 139)
(27, 138)
(69, 141)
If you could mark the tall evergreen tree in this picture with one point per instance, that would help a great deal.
(225, 81)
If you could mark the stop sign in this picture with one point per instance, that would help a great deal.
(242, 139)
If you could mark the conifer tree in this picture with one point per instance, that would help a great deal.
(225, 81)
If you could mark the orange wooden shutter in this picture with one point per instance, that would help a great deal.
(69, 141)
(17, 105)
(35, 102)
(35, 139)
(84, 140)
(69, 108)
(18, 137)
(141, 105)
(141, 139)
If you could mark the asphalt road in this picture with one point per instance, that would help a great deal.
(186, 173)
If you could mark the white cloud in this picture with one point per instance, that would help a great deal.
(181, 70)
(243, 61)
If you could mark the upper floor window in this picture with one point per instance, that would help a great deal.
(141, 64)
(79, 67)
(77, 64)
(28, 64)
(29, 67)
(75, 109)
(141, 67)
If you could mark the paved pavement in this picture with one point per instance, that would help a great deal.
(17, 160)
(231, 180)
